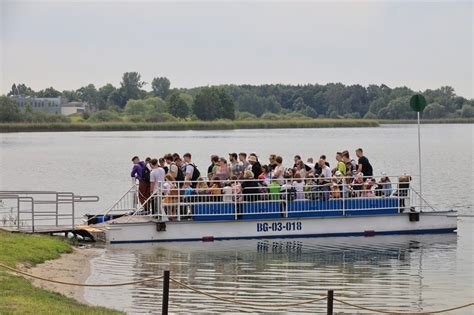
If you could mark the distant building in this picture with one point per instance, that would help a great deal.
(51, 105)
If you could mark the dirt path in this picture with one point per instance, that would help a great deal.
(73, 267)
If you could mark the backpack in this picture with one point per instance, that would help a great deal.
(179, 174)
(146, 174)
(196, 173)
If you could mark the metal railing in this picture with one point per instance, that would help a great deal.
(126, 204)
(28, 210)
(297, 197)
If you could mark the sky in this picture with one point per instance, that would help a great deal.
(69, 44)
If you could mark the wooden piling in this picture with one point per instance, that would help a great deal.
(166, 292)
(330, 302)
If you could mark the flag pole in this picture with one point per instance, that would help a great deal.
(418, 103)
(419, 155)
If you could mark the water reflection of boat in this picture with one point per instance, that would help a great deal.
(329, 249)
(281, 270)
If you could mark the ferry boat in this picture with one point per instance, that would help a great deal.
(178, 214)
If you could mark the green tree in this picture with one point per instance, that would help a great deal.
(138, 107)
(49, 92)
(161, 87)
(309, 112)
(271, 104)
(398, 108)
(117, 98)
(71, 96)
(467, 111)
(104, 95)
(227, 105)
(9, 110)
(434, 110)
(299, 104)
(21, 89)
(131, 86)
(177, 106)
(89, 94)
(212, 103)
(157, 104)
(207, 104)
(251, 104)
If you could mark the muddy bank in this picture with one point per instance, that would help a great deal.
(74, 267)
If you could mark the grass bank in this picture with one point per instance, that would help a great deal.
(428, 121)
(187, 125)
(17, 294)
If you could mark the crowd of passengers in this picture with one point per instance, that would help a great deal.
(244, 178)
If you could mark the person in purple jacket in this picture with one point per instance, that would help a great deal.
(142, 173)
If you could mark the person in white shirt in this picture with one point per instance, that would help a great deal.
(227, 192)
(325, 170)
(157, 177)
(298, 184)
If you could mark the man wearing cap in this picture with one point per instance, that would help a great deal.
(256, 167)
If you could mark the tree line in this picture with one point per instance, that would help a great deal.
(130, 101)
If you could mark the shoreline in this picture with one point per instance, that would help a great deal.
(186, 125)
(216, 125)
(70, 267)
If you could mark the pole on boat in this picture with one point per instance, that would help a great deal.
(419, 150)
(330, 302)
(418, 104)
(166, 292)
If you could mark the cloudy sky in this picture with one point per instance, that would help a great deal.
(68, 44)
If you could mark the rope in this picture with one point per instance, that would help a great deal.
(273, 306)
(403, 313)
(78, 284)
(247, 303)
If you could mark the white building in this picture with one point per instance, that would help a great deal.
(51, 105)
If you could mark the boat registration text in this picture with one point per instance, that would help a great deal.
(279, 226)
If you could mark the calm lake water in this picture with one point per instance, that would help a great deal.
(405, 273)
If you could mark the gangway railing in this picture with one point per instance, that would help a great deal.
(128, 203)
(29, 210)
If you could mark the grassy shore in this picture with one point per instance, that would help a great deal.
(216, 125)
(17, 294)
(187, 125)
(428, 121)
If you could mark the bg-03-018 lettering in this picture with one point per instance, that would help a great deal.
(279, 226)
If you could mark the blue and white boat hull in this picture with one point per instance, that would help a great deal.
(143, 229)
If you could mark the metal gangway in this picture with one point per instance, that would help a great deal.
(42, 211)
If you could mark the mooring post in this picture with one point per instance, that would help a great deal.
(330, 301)
(166, 292)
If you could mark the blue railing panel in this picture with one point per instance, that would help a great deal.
(368, 206)
(261, 210)
(214, 212)
(314, 208)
